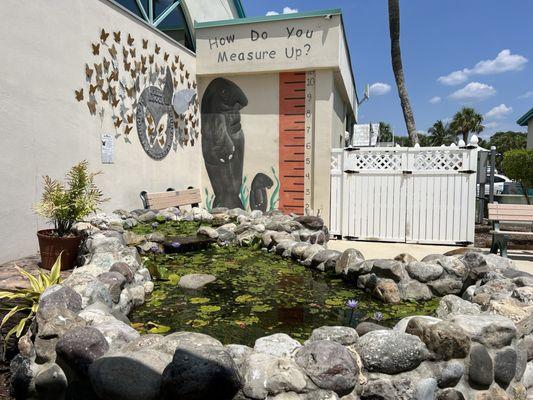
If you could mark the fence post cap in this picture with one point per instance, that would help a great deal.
(474, 140)
(461, 143)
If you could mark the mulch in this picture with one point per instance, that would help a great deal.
(483, 237)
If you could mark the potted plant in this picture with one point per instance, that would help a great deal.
(64, 205)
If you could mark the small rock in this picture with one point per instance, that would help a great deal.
(387, 291)
(340, 334)
(114, 283)
(505, 366)
(311, 222)
(195, 281)
(401, 326)
(449, 373)
(123, 269)
(481, 370)
(424, 271)
(389, 269)
(412, 290)
(278, 344)
(348, 258)
(451, 305)
(51, 382)
(133, 239)
(425, 389)
(445, 339)
(446, 286)
(450, 394)
(391, 352)
(117, 332)
(405, 258)
(329, 365)
(155, 237)
(364, 327)
(63, 296)
(520, 314)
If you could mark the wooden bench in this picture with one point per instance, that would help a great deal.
(171, 198)
(507, 213)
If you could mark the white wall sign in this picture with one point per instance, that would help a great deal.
(108, 148)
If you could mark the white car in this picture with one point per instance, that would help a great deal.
(499, 183)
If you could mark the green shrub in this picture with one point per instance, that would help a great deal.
(64, 206)
(518, 165)
(27, 300)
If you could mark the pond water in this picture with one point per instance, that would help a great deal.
(256, 293)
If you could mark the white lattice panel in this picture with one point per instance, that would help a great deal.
(387, 161)
(438, 161)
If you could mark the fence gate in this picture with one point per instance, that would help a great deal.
(413, 195)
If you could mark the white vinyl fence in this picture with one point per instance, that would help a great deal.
(399, 194)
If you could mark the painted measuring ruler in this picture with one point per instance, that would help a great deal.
(310, 85)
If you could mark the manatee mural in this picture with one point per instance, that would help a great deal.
(258, 193)
(223, 140)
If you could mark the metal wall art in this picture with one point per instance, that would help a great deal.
(137, 84)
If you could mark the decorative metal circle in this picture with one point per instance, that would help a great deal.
(152, 103)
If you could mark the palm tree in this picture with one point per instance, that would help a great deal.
(440, 134)
(465, 121)
(397, 67)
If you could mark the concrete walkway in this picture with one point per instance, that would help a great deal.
(523, 259)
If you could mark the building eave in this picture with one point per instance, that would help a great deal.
(524, 119)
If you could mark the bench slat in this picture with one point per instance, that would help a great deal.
(510, 212)
(513, 233)
(177, 198)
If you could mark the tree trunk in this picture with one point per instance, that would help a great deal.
(465, 137)
(397, 67)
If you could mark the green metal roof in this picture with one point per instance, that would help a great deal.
(240, 8)
(268, 18)
(524, 119)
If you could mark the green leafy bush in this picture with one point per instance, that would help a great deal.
(27, 300)
(518, 165)
(65, 205)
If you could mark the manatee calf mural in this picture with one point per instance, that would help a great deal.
(223, 140)
(258, 192)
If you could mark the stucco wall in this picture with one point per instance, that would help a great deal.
(45, 47)
(259, 122)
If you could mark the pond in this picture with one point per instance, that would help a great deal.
(256, 293)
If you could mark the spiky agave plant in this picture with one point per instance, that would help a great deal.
(28, 299)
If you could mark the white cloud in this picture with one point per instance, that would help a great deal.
(504, 62)
(474, 91)
(526, 95)
(288, 10)
(491, 125)
(454, 78)
(499, 112)
(269, 13)
(435, 100)
(379, 89)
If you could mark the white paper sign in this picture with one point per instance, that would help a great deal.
(108, 148)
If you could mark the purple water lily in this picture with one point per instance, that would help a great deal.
(175, 245)
(154, 249)
(352, 304)
(154, 225)
(378, 316)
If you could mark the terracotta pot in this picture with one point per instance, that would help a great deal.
(51, 246)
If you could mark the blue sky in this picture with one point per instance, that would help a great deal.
(486, 44)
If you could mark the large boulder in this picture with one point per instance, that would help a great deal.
(80, 347)
(505, 365)
(114, 282)
(200, 371)
(389, 269)
(391, 352)
(51, 382)
(348, 258)
(490, 330)
(329, 365)
(387, 291)
(412, 290)
(129, 375)
(311, 222)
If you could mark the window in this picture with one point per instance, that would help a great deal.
(165, 15)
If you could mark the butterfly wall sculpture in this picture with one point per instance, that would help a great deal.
(124, 75)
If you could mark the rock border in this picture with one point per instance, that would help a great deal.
(81, 345)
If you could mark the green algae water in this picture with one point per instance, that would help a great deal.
(256, 293)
